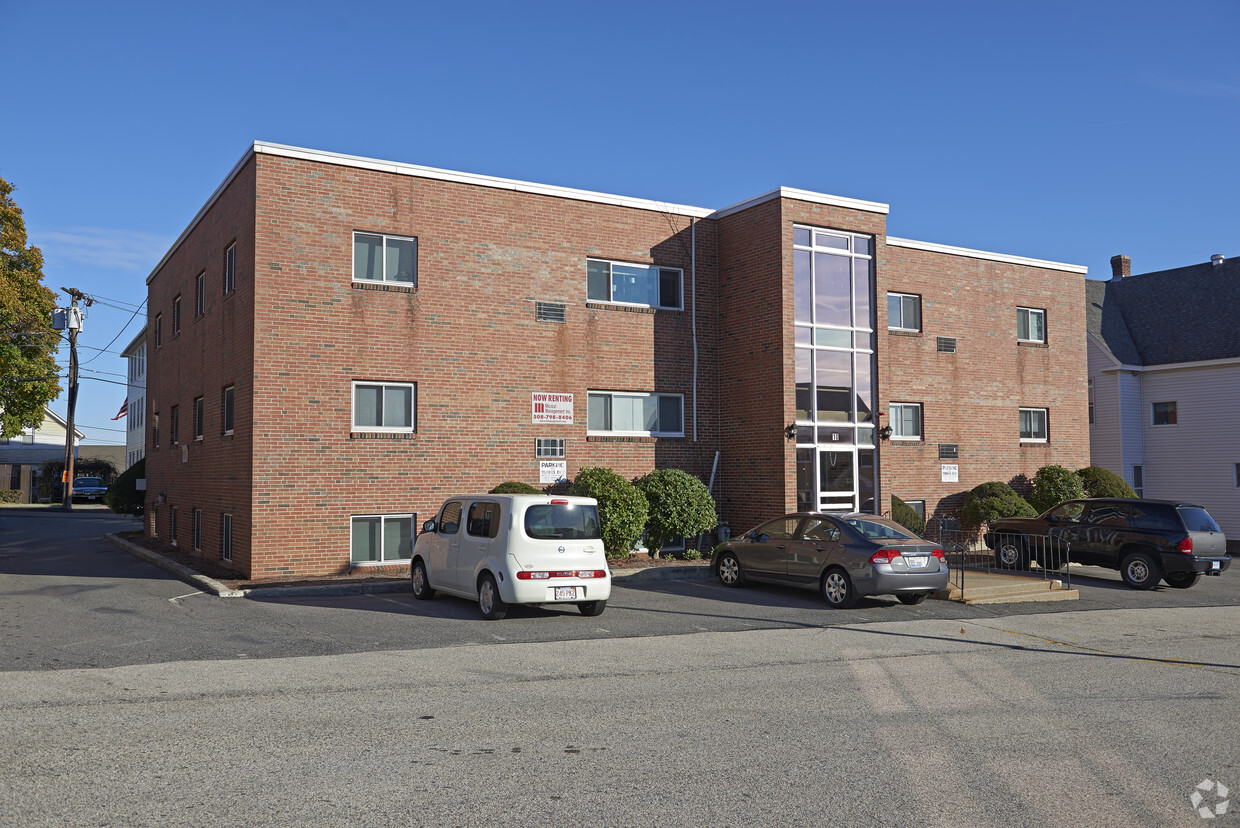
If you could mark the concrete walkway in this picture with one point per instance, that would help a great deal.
(971, 587)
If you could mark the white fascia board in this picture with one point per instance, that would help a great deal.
(805, 195)
(132, 347)
(1176, 366)
(417, 171)
(982, 254)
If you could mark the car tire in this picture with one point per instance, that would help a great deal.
(911, 598)
(490, 604)
(1182, 580)
(592, 608)
(419, 583)
(1011, 553)
(1140, 571)
(729, 570)
(838, 590)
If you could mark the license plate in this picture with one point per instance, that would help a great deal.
(565, 593)
(1216, 564)
(916, 563)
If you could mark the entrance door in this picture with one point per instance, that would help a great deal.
(837, 479)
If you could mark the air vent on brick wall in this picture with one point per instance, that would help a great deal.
(550, 311)
(949, 451)
(947, 344)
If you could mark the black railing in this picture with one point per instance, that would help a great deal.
(1014, 553)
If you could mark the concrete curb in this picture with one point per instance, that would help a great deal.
(663, 573)
(183, 572)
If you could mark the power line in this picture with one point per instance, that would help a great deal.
(104, 349)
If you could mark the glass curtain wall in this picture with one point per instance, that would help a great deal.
(833, 289)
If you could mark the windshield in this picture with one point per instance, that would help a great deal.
(563, 521)
(88, 481)
(879, 529)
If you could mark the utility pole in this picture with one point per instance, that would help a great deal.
(73, 322)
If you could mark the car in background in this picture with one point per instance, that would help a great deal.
(501, 550)
(90, 489)
(1145, 540)
(842, 556)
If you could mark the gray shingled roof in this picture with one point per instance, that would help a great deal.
(1183, 315)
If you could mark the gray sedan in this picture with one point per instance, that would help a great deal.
(842, 556)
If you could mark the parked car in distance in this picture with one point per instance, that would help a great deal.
(842, 556)
(89, 488)
(1145, 540)
(513, 549)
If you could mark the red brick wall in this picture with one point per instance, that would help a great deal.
(210, 352)
(972, 397)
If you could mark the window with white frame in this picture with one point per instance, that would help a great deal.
(226, 537)
(176, 314)
(905, 421)
(1030, 325)
(624, 283)
(1164, 413)
(635, 414)
(903, 312)
(159, 330)
(549, 447)
(378, 257)
(1138, 480)
(1236, 479)
(198, 418)
(381, 538)
(384, 406)
(230, 268)
(1033, 425)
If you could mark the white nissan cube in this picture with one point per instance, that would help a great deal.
(513, 549)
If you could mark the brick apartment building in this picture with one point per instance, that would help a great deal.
(336, 343)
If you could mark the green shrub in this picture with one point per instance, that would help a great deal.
(622, 508)
(10, 495)
(994, 500)
(1100, 482)
(1054, 484)
(680, 506)
(904, 515)
(692, 554)
(515, 487)
(123, 496)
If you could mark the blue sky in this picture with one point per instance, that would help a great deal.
(1062, 131)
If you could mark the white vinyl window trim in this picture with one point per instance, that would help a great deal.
(634, 285)
(1030, 325)
(635, 414)
(384, 258)
(906, 422)
(384, 406)
(903, 312)
(388, 538)
(1033, 425)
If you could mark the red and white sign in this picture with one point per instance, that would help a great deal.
(552, 408)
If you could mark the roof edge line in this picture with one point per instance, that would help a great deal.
(804, 195)
(983, 254)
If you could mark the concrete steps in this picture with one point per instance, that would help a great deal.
(991, 588)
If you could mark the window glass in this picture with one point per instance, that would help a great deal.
(1030, 324)
(383, 406)
(862, 268)
(864, 387)
(1165, 413)
(569, 521)
(1197, 520)
(633, 284)
(450, 519)
(669, 413)
(1155, 517)
(655, 414)
(906, 421)
(780, 528)
(1108, 514)
(833, 378)
(800, 235)
(832, 290)
(598, 281)
(802, 286)
(1033, 424)
(397, 538)
(669, 288)
(367, 257)
(227, 406)
(804, 382)
(399, 260)
(483, 520)
(365, 539)
(598, 412)
(818, 529)
(397, 406)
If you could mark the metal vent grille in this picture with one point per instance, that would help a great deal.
(947, 344)
(949, 451)
(550, 311)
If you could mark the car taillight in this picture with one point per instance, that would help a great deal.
(562, 573)
(528, 576)
(885, 556)
(940, 554)
(1186, 546)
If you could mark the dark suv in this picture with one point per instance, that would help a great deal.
(1146, 540)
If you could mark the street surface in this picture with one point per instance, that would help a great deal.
(131, 699)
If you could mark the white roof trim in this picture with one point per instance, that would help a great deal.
(982, 254)
(1175, 366)
(805, 195)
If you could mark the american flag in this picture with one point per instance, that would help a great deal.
(124, 410)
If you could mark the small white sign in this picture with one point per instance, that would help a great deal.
(551, 408)
(552, 471)
(951, 472)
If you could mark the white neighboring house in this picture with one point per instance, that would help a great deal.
(1164, 375)
(21, 456)
(135, 400)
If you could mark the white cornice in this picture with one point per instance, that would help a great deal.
(804, 195)
(1174, 366)
(982, 254)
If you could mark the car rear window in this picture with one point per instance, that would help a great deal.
(875, 530)
(563, 521)
(1197, 520)
(1155, 517)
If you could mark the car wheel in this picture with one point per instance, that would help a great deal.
(1182, 580)
(592, 608)
(490, 603)
(911, 598)
(1140, 571)
(418, 581)
(1011, 554)
(838, 589)
(729, 570)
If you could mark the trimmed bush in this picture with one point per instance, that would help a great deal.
(622, 509)
(994, 500)
(123, 496)
(904, 515)
(1054, 484)
(515, 487)
(10, 495)
(1100, 482)
(680, 506)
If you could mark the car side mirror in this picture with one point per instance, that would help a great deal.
(752, 534)
(429, 526)
(1052, 519)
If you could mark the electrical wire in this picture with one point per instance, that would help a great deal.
(118, 334)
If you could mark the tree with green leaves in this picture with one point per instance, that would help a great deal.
(27, 342)
(680, 506)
